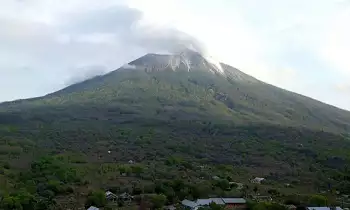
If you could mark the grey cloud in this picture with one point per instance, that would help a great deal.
(125, 25)
(117, 19)
(107, 36)
(85, 73)
(128, 66)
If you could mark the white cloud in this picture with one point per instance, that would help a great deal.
(336, 46)
(344, 88)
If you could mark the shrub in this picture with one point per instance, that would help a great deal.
(96, 198)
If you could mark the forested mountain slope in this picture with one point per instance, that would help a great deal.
(182, 105)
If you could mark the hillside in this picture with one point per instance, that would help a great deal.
(183, 106)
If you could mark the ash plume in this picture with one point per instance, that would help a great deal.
(129, 28)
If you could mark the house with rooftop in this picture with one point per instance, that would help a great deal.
(257, 180)
(207, 202)
(324, 208)
(187, 204)
(235, 203)
(111, 196)
(229, 203)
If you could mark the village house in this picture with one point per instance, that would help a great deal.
(126, 197)
(257, 180)
(111, 196)
(324, 208)
(229, 203)
(189, 204)
(235, 203)
(170, 207)
(290, 207)
(206, 202)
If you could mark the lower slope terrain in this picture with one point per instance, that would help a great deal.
(177, 118)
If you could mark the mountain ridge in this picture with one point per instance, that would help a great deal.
(200, 116)
(232, 90)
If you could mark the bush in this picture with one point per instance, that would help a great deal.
(158, 201)
(96, 198)
(273, 192)
(10, 202)
(268, 206)
(137, 190)
(318, 200)
(7, 166)
(222, 184)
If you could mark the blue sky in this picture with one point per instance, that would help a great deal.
(302, 46)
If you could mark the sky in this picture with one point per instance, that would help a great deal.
(301, 46)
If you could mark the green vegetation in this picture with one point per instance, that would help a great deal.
(268, 206)
(97, 198)
(180, 129)
(318, 200)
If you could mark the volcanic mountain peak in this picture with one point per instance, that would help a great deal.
(187, 60)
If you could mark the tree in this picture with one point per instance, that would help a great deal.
(268, 206)
(273, 192)
(215, 206)
(158, 201)
(178, 185)
(26, 199)
(222, 184)
(318, 200)
(255, 189)
(200, 190)
(10, 202)
(6, 165)
(96, 198)
(137, 170)
(137, 190)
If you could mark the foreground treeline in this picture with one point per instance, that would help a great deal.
(37, 187)
(68, 181)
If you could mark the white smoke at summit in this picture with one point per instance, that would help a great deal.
(56, 45)
(128, 26)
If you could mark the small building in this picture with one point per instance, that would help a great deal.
(207, 202)
(93, 208)
(257, 180)
(235, 203)
(229, 203)
(324, 208)
(126, 197)
(111, 196)
(216, 178)
(290, 207)
(189, 204)
(171, 207)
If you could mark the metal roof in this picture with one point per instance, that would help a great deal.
(323, 208)
(219, 201)
(189, 203)
(93, 208)
(234, 200)
(206, 202)
(109, 193)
